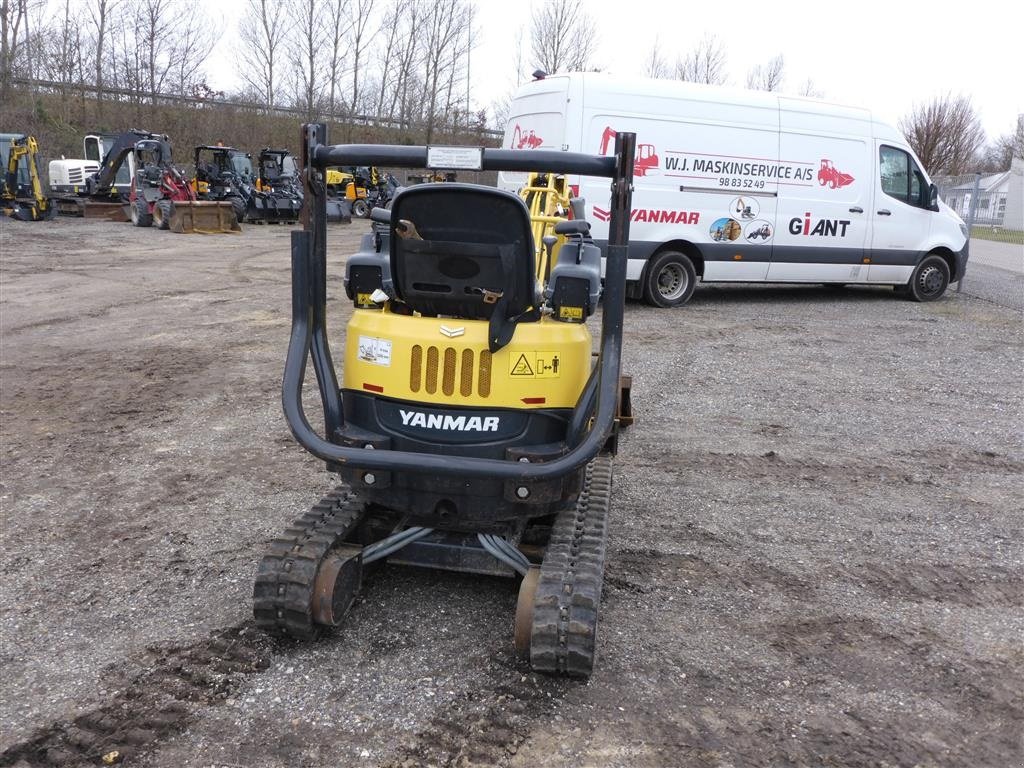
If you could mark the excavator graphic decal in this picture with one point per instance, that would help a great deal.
(525, 139)
(646, 161)
(829, 174)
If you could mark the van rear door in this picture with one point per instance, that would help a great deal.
(823, 220)
(536, 120)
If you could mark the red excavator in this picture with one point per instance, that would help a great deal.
(646, 156)
(525, 139)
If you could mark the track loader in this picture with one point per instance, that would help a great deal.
(472, 428)
(278, 196)
(21, 191)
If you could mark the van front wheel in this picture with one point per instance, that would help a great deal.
(930, 279)
(670, 279)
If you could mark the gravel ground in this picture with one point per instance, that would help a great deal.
(815, 551)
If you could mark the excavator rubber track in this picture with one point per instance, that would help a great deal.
(563, 639)
(286, 578)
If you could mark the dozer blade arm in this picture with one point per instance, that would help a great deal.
(309, 333)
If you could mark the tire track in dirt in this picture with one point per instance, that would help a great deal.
(485, 726)
(641, 571)
(154, 697)
(917, 467)
(986, 703)
(981, 586)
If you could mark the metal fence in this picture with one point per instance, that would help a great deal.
(992, 204)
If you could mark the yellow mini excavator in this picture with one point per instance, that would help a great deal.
(21, 191)
(473, 429)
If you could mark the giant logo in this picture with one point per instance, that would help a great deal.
(818, 227)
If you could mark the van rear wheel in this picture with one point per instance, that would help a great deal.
(930, 279)
(670, 279)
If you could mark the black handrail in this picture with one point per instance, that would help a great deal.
(309, 332)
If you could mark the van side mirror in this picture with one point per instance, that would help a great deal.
(933, 198)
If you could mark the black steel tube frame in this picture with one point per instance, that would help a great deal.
(309, 300)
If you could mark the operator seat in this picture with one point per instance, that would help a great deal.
(464, 250)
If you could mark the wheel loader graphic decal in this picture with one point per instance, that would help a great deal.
(522, 139)
(832, 176)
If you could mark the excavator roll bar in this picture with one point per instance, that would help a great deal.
(309, 300)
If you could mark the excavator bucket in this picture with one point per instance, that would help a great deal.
(204, 218)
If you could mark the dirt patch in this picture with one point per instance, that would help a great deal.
(814, 555)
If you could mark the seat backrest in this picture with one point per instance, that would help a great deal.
(462, 250)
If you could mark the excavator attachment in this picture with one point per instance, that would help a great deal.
(339, 211)
(83, 207)
(203, 218)
(271, 208)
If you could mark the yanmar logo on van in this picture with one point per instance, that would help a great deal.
(653, 216)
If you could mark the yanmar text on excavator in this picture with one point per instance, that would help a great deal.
(473, 429)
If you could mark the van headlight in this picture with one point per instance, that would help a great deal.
(963, 228)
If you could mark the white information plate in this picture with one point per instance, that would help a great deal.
(376, 351)
(455, 158)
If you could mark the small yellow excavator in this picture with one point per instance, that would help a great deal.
(21, 192)
(472, 428)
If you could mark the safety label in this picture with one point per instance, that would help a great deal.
(375, 351)
(539, 364)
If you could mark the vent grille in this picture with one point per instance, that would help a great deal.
(443, 368)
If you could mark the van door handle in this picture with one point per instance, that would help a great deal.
(885, 212)
(856, 209)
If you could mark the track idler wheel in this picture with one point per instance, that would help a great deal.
(338, 580)
(524, 611)
(309, 576)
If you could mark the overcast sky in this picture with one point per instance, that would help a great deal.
(885, 56)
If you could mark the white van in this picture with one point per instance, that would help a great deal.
(734, 185)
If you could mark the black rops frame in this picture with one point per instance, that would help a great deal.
(309, 310)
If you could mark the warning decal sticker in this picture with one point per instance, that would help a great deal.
(539, 364)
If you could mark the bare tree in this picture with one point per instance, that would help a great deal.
(704, 64)
(655, 66)
(1014, 142)
(563, 38)
(13, 21)
(1000, 154)
(62, 55)
(400, 59)
(305, 48)
(361, 35)
(100, 13)
(154, 29)
(767, 77)
(336, 39)
(263, 30)
(946, 134)
(810, 90)
(445, 45)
